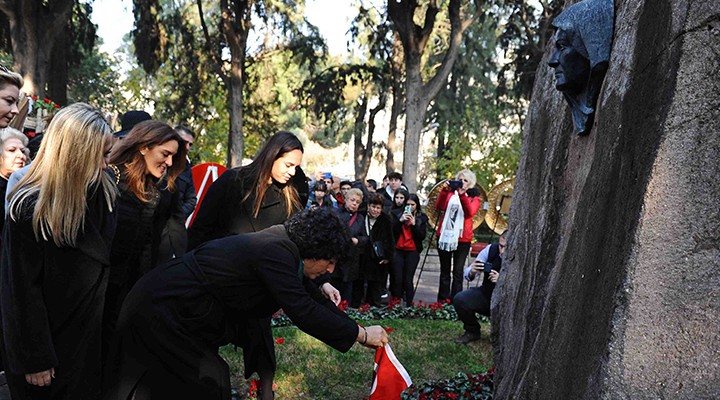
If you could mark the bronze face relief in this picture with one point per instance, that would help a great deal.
(582, 50)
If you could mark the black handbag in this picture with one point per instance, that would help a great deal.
(378, 254)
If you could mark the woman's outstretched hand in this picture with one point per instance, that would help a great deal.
(372, 336)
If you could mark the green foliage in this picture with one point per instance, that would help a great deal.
(524, 37)
(394, 310)
(94, 81)
(473, 129)
(309, 369)
(460, 387)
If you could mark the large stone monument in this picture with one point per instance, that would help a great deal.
(611, 284)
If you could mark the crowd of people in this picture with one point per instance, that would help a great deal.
(105, 294)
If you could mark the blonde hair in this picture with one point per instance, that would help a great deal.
(12, 133)
(354, 192)
(8, 77)
(69, 164)
(469, 175)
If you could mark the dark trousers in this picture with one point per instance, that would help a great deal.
(467, 303)
(373, 296)
(402, 274)
(345, 289)
(458, 259)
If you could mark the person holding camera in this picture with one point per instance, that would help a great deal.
(455, 232)
(409, 230)
(477, 299)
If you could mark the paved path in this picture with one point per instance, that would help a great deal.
(427, 287)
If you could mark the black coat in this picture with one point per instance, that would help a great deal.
(175, 318)
(381, 231)
(174, 238)
(347, 270)
(135, 246)
(419, 230)
(52, 305)
(223, 211)
(3, 189)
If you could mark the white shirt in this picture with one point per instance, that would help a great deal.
(482, 257)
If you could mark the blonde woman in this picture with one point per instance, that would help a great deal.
(455, 232)
(13, 156)
(10, 84)
(54, 266)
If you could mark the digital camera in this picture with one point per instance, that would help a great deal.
(455, 185)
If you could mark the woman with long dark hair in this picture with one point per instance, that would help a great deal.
(264, 193)
(148, 161)
(55, 261)
(409, 230)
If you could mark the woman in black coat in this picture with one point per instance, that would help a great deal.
(409, 230)
(264, 193)
(149, 160)
(377, 255)
(178, 315)
(55, 262)
(347, 271)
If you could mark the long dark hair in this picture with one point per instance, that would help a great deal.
(127, 152)
(414, 197)
(261, 171)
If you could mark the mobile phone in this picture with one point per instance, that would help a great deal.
(407, 210)
(455, 185)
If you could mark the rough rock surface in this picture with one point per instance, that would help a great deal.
(611, 285)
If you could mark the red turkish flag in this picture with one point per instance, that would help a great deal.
(390, 377)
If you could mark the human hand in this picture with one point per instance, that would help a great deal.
(355, 241)
(376, 336)
(476, 268)
(42, 378)
(330, 292)
(494, 275)
(412, 219)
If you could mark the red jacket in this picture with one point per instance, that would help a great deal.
(470, 206)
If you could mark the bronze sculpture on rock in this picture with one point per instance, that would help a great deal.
(582, 49)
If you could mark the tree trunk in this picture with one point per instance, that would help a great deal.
(34, 28)
(235, 28)
(419, 94)
(397, 103)
(358, 129)
(415, 108)
(58, 80)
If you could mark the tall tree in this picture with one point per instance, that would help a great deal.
(341, 97)
(372, 30)
(420, 91)
(236, 19)
(34, 28)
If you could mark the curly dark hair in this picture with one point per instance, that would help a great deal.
(319, 234)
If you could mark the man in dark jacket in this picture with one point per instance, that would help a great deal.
(477, 299)
(178, 315)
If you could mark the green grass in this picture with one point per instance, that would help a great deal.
(308, 369)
